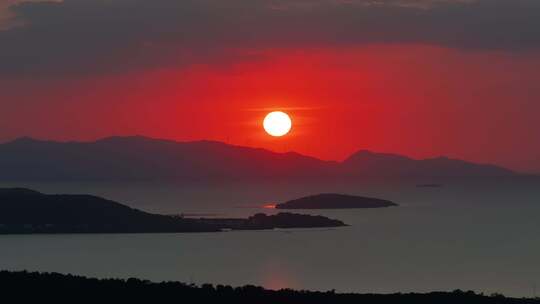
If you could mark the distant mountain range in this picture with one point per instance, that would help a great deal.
(142, 158)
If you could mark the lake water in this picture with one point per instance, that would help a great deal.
(479, 235)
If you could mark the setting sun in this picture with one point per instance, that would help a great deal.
(277, 123)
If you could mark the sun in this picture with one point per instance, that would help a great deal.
(277, 123)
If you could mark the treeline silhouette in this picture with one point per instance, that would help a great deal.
(45, 287)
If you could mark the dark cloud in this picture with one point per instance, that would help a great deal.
(103, 36)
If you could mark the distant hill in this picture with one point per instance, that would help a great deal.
(141, 158)
(27, 211)
(335, 201)
(382, 164)
(144, 158)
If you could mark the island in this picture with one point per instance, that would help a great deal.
(25, 211)
(335, 201)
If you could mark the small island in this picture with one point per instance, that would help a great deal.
(335, 201)
(429, 185)
(25, 211)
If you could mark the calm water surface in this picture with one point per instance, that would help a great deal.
(474, 235)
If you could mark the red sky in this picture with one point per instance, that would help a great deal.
(410, 99)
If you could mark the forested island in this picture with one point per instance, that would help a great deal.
(24, 211)
(45, 287)
(335, 201)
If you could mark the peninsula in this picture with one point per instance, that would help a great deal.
(24, 211)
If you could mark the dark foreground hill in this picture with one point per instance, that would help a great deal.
(335, 201)
(141, 158)
(28, 211)
(45, 287)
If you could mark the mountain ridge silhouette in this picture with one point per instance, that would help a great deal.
(139, 157)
